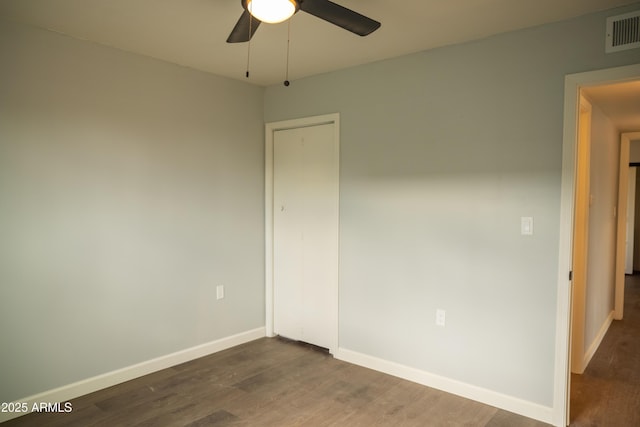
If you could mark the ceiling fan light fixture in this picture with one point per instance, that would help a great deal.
(272, 11)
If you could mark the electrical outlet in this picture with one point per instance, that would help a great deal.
(440, 317)
(219, 291)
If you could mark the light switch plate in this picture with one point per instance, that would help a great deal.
(440, 317)
(526, 226)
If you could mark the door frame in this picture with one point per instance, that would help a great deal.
(630, 215)
(623, 183)
(270, 129)
(580, 245)
(573, 84)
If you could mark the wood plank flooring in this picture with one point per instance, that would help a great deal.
(608, 392)
(273, 382)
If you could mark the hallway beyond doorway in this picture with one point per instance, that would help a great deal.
(608, 393)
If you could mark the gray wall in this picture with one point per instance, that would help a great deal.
(129, 189)
(604, 171)
(442, 152)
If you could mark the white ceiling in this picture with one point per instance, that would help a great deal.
(193, 32)
(620, 102)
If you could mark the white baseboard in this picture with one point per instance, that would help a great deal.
(479, 394)
(597, 341)
(99, 382)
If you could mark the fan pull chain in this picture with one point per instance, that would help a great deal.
(249, 45)
(286, 76)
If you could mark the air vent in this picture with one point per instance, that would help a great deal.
(623, 32)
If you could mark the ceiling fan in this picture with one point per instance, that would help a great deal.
(257, 11)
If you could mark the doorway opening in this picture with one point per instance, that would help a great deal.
(574, 84)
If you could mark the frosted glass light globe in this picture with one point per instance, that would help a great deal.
(271, 11)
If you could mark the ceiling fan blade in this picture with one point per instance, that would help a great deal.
(340, 16)
(240, 32)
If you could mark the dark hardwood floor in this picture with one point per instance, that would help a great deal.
(273, 382)
(608, 392)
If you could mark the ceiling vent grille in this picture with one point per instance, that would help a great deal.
(623, 32)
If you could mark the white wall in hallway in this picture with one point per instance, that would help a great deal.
(605, 149)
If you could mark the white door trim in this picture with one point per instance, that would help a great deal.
(580, 245)
(630, 216)
(625, 144)
(573, 84)
(270, 128)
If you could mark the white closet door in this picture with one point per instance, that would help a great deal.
(305, 239)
